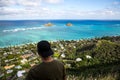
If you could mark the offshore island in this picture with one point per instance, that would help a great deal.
(89, 59)
(48, 24)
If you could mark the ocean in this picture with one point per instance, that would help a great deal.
(16, 32)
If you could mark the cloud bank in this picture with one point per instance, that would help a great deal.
(34, 9)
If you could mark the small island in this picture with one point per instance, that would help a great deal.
(69, 24)
(48, 24)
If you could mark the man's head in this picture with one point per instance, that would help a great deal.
(44, 49)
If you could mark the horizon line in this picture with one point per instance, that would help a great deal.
(55, 19)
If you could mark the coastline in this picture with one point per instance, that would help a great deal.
(88, 54)
(12, 32)
(58, 41)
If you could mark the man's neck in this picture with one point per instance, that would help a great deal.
(48, 59)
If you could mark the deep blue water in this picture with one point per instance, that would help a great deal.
(27, 31)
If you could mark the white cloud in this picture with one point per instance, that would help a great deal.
(47, 13)
(29, 9)
(28, 3)
(6, 3)
(116, 2)
(108, 12)
(9, 11)
(54, 1)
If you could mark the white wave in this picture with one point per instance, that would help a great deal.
(22, 29)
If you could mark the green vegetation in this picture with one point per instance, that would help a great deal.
(95, 59)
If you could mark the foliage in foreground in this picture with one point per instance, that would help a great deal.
(95, 59)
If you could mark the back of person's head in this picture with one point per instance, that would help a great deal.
(44, 49)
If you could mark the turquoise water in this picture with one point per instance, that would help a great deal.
(25, 31)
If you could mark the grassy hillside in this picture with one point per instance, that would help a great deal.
(94, 59)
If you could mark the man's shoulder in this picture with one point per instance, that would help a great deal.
(35, 67)
(41, 65)
(58, 62)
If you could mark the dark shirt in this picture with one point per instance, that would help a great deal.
(47, 71)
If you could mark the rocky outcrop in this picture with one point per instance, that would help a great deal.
(48, 24)
(69, 24)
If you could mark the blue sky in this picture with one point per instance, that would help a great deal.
(59, 9)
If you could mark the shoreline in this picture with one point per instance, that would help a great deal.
(19, 45)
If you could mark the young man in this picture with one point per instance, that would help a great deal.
(49, 69)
